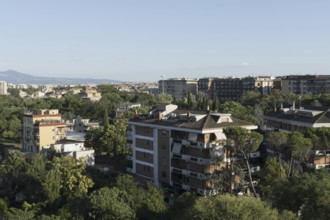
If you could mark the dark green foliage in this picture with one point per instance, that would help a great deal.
(308, 193)
(189, 207)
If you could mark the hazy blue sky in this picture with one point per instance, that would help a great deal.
(140, 40)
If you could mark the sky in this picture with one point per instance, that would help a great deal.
(143, 40)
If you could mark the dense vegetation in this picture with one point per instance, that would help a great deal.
(55, 187)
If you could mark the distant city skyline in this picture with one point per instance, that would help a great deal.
(143, 40)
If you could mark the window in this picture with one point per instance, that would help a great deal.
(145, 155)
(164, 174)
(146, 168)
(163, 146)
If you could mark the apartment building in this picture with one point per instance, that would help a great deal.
(3, 88)
(205, 86)
(179, 149)
(178, 87)
(232, 89)
(91, 93)
(292, 119)
(41, 129)
(301, 84)
(298, 120)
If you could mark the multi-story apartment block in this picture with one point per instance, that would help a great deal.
(301, 84)
(3, 88)
(178, 87)
(179, 149)
(231, 89)
(41, 129)
(205, 86)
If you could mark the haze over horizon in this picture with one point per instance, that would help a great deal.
(142, 40)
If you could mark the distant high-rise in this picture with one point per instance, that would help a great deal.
(301, 84)
(3, 88)
(232, 89)
(178, 87)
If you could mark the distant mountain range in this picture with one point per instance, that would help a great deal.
(12, 76)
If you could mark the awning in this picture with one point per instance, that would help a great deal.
(192, 137)
(220, 135)
(177, 148)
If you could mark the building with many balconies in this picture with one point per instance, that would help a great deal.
(178, 87)
(232, 89)
(301, 84)
(180, 149)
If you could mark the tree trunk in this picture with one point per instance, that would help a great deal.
(290, 167)
(250, 176)
(279, 160)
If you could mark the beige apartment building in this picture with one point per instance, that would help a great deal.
(180, 149)
(41, 129)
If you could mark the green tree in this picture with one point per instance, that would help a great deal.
(113, 203)
(275, 99)
(300, 148)
(148, 203)
(309, 194)
(183, 206)
(278, 141)
(251, 98)
(216, 105)
(74, 182)
(237, 110)
(271, 175)
(92, 139)
(12, 172)
(243, 142)
(113, 139)
(164, 98)
(190, 101)
(229, 207)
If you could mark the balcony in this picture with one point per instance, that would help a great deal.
(206, 192)
(185, 142)
(130, 170)
(203, 145)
